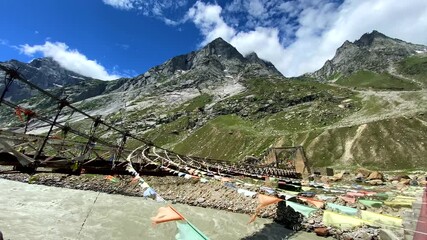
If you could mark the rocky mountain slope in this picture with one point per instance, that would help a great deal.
(207, 68)
(217, 103)
(372, 52)
(44, 72)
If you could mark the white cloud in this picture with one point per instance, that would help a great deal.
(207, 18)
(264, 41)
(297, 36)
(312, 30)
(154, 8)
(123, 46)
(120, 4)
(4, 42)
(256, 8)
(406, 20)
(69, 59)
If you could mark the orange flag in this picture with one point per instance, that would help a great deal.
(166, 214)
(316, 203)
(225, 179)
(135, 179)
(264, 201)
(109, 177)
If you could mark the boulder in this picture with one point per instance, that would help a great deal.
(321, 231)
(375, 182)
(387, 235)
(400, 177)
(324, 179)
(364, 171)
(360, 176)
(405, 181)
(340, 175)
(375, 175)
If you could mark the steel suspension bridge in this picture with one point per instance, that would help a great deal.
(28, 152)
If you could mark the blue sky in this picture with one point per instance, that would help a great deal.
(108, 39)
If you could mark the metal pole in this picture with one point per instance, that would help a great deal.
(62, 104)
(8, 80)
(122, 145)
(92, 132)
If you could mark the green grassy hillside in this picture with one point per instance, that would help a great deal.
(378, 81)
(384, 130)
(415, 67)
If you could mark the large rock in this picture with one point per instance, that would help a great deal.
(287, 216)
(365, 172)
(375, 175)
(321, 231)
(387, 235)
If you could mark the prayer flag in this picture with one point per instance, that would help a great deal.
(314, 202)
(187, 231)
(18, 112)
(264, 201)
(303, 209)
(166, 214)
(149, 193)
(348, 199)
(111, 178)
(135, 179)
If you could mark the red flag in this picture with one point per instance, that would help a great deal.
(264, 201)
(18, 112)
(348, 199)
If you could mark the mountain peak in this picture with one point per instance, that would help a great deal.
(222, 48)
(368, 38)
(45, 61)
(218, 41)
(253, 58)
(374, 52)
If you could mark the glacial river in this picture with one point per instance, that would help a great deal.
(40, 212)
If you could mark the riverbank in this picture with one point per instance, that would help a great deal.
(220, 195)
(30, 211)
(212, 194)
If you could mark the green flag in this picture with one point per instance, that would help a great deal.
(304, 210)
(187, 231)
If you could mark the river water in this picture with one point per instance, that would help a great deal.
(40, 212)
